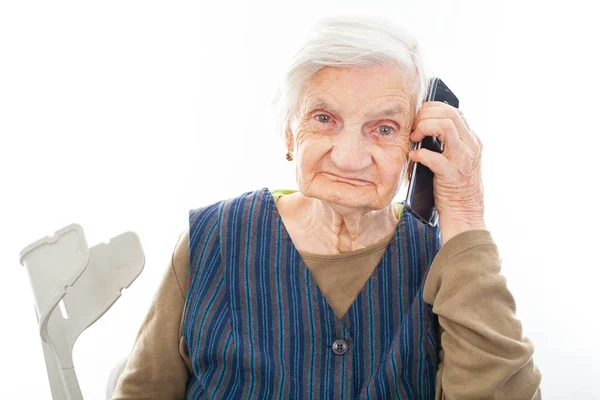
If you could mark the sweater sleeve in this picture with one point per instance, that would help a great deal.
(484, 354)
(156, 368)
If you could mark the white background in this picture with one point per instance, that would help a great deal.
(123, 115)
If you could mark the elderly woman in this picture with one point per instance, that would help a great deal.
(335, 291)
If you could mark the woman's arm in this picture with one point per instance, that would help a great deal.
(155, 368)
(484, 353)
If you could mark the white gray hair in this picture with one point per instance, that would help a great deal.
(348, 40)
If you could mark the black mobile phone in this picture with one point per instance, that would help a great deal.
(419, 197)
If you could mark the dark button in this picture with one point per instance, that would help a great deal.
(340, 347)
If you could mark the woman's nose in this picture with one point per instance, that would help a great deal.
(349, 153)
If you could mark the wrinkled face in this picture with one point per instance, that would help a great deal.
(351, 138)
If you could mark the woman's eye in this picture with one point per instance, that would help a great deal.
(387, 130)
(327, 118)
(384, 130)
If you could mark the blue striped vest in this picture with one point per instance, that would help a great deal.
(258, 327)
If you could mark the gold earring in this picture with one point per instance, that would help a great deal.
(289, 156)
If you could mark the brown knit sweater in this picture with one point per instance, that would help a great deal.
(484, 353)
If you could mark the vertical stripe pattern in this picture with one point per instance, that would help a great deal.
(258, 327)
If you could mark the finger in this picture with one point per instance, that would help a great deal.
(449, 112)
(444, 129)
(436, 162)
(472, 135)
(479, 143)
(434, 103)
(464, 119)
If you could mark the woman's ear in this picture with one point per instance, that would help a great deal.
(289, 139)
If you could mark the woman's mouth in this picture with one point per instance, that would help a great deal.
(347, 179)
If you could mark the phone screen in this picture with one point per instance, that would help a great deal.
(419, 198)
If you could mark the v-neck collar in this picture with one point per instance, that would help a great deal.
(376, 275)
(347, 255)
